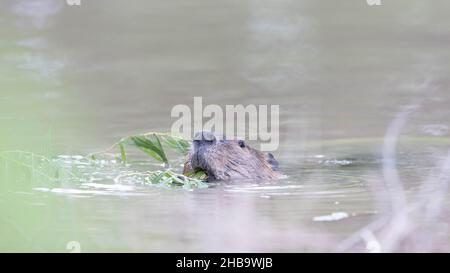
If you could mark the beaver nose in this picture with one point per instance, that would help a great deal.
(204, 136)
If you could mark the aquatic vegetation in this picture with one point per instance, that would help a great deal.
(28, 166)
(171, 178)
(34, 167)
(153, 144)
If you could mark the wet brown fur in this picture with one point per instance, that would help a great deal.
(232, 159)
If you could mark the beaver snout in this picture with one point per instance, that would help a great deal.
(203, 142)
(224, 159)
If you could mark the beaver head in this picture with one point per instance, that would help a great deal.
(223, 159)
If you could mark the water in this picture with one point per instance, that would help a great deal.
(74, 80)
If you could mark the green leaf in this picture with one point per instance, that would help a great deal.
(200, 175)
(163, 154)
(169, 178)
(151, 147)
(156, 177)
(179, 144)
(122, 153)
(153, 144)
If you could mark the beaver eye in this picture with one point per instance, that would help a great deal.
(241, 143)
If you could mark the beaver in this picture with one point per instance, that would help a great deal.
(223, 159)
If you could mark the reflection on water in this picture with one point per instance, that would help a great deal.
(76, 79)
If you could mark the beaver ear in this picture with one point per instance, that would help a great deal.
(273, 162)
(241, 143)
